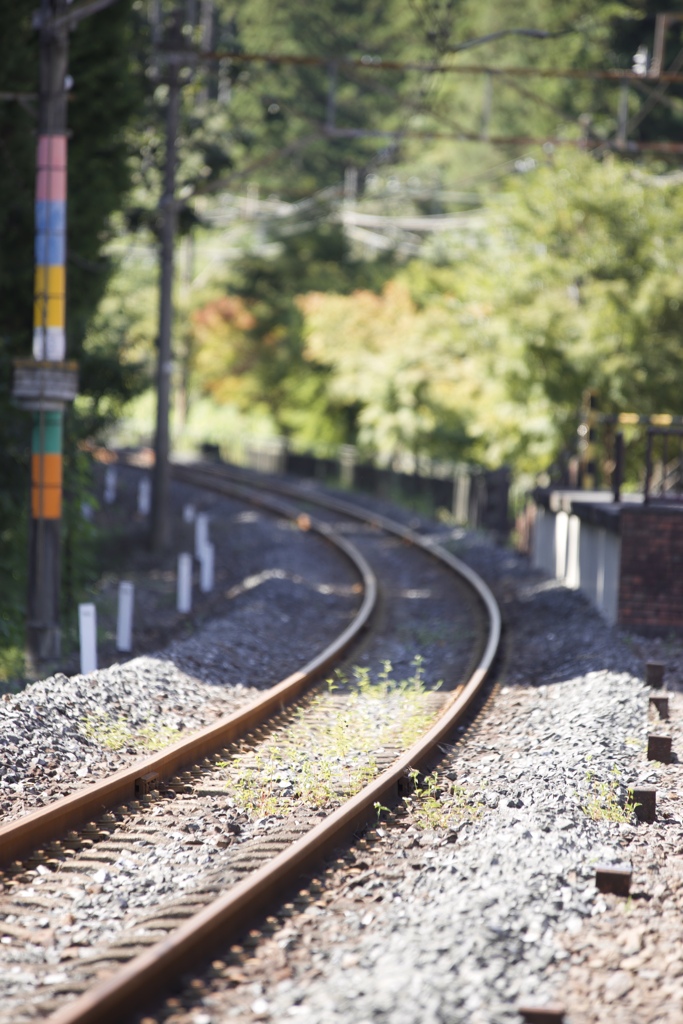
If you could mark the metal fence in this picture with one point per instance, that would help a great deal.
(664, 464)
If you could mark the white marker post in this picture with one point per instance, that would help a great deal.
(144, 496)
(87, 633)
(124, 619)
(110, 485)
(184, 588)
(201, 534)
(206, 567)
(189, 512)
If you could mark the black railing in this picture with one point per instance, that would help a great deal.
(612, 449)
(664, 464)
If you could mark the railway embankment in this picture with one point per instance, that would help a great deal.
(480, 894)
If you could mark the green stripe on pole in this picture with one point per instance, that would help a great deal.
(47, 440)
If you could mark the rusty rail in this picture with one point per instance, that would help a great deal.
(47, 823)
(136, 984)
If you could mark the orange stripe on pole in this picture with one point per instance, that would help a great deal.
(46, 502)
(46, 469)
(46, 486)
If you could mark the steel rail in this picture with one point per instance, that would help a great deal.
(30, 832)
(134, 986)
(345, 508)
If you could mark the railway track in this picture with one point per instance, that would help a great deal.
(303, 807)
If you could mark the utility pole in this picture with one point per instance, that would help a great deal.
(46, 383)
(43, 385)
(160, 522)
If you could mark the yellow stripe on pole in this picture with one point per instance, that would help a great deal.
(50, 281)
(48, 309)
(49, 313)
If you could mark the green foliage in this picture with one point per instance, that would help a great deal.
(18, 73)
(573, 284)
(481, 353)
(117, 733)
(14, 470)
(602, 799)
(248, 346)
(281, 117)
(104, 61)
(396, 366)
(331, 748)
(578, 287)
(13, 548)
(438, 803)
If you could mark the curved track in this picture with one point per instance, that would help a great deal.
(149, 972)
(25, 835)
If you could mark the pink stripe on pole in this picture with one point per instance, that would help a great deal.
(51, 176)
(51, 184)
(52, 151)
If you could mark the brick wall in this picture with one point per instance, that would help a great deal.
(651, 583)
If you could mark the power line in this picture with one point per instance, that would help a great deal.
(531, 33)
(376, 63)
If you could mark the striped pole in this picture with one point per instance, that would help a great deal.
(49, 346)
(49, 338)
(49, 341)
(46, 466)
(48, 382)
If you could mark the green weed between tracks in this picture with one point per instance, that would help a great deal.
(331, 749)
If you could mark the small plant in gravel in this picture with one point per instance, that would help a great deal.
(406, 717)
(115, 734)
(437, 803)
(255, 790)
(329, 751)
(12, 668)
(380, 809)
(602, 800)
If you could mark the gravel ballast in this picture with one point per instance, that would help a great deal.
(60, 733)
(494, 903)
(491, 902)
